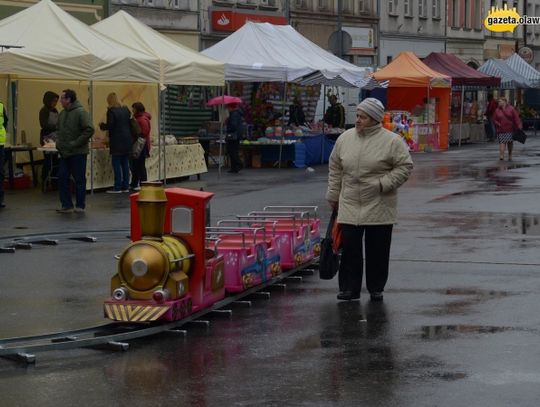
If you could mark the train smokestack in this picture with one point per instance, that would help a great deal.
(151, 205)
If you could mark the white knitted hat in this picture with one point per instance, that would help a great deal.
(373, 108)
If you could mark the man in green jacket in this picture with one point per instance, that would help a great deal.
(74, 132)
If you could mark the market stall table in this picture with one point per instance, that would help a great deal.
(10, 152)
(180, 160)
(49, 154)
(300, 150)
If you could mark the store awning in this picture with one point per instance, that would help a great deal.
(520, 66)
(408, 71)
(270, 53)
(461, 73)
(179, 65)
(510, 79)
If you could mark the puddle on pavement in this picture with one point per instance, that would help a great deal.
(463, 306)
(450, 331)
(495, 179)
(488, 222)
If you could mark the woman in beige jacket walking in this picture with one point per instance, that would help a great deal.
(367, 166)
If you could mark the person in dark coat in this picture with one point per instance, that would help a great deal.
(490, 112)
(75, 130)
(48, 120)
(235, 128)
(335, 114)
(120, 141)
(138, 165)
(296, 113)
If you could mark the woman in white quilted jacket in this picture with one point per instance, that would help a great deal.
(367, 166)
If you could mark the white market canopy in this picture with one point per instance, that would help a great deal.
(510, 79)
(521, 66)
(57, 45)
(316, 78)
(263, 52)
(179, 65)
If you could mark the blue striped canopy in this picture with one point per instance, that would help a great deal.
(510, 79)
(519, 65)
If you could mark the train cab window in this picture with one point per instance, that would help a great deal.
(182, 220)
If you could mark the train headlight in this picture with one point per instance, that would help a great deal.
(139, 267)
(161, 296)
(120, 294)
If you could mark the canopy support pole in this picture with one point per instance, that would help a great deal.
(221, 113)
(91, 108)
(323, 114)
(282, 123)
(161, 113)
(461, 114)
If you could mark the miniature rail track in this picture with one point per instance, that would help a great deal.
(10, 244)
(111, 335)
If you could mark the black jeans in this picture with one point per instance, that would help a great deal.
(377, 242)
(233, 148)
(138, 169)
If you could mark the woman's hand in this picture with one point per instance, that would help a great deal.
(334, 205)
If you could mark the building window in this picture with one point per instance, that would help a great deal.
(407, 7)
(323, 4)
(348, 6)
(392, 6)
(422, 8)
(467, 14)
(455, 14)
(478, 13)
(388, 59)
(436, 9)
(362, 6)
(300, 4)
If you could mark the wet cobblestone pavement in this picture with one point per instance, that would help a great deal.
(458, 325)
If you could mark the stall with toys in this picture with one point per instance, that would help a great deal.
(417, 101)
(419, 133)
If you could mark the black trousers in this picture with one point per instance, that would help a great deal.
(138, 169)
(233, 148)
(377, 240)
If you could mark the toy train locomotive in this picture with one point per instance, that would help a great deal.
(176, 265)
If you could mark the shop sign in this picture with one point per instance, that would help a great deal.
(362, 38)
(229, 20)
(526, 53)
(505, 50)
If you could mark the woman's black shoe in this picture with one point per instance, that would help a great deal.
(376, 296)
(348, 295)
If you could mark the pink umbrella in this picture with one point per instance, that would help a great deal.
(223, 100)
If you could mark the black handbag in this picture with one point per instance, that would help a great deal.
(519, 136)
(328, 259)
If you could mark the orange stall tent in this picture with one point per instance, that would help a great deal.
(411, 83)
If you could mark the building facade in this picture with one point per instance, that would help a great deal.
(88, 11)
(177, 19)
(465, 30)
(319, 21)
(411, 25)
